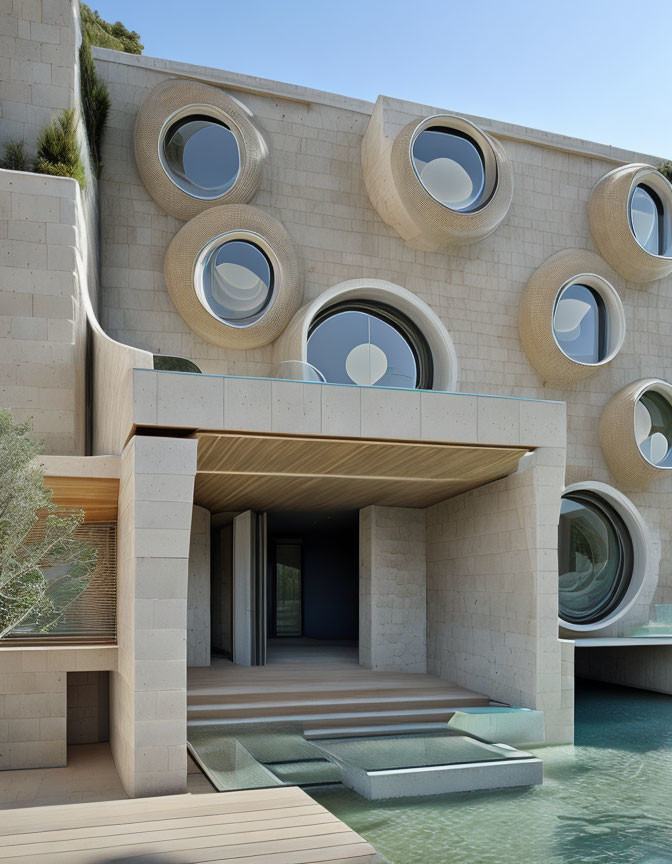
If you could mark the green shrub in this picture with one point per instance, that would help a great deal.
(95, 102)
(58, 151)
(106, 35)
(666, 170)
(14, 156)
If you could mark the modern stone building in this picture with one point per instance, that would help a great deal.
(339, 373)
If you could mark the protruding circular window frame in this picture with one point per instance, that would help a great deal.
(618, 438)
(177, 98)
(439, 225)
(611, 226)
(642, 580)
(537, 308)
(402, 201)
(293, 343)
(233, 222)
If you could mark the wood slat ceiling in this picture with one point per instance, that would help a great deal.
(96, 496)
(260, 472)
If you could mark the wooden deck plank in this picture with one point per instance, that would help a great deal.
(195, 851)
(269, 826)
(270, 815)
(187, 838)
(95, 813)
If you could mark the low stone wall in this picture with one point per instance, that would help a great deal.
(33, 701)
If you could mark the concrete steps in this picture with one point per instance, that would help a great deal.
(332, 709)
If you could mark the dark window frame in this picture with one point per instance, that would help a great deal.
(602, 322)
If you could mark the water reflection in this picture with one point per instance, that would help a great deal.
(607, 800)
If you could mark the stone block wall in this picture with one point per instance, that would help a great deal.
(42, 319)
(38, 48)
(34, 699)
(314, 186)
(198, 597)
(392, 589)
(492, 592)
(148, 726)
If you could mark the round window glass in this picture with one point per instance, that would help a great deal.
(647, 219)
(653, 428)
(450, 167)
(237, 282)
(202, 156)
(366, 346)
(594, 557)
(580, 324)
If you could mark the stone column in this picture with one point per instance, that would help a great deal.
(148, 727)
(492, 592)
(392, 589)
(198, 604)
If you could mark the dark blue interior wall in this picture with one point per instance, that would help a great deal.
(330, 563)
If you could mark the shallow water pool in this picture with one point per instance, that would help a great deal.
(606, 800)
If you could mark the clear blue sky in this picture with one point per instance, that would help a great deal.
(594, 69)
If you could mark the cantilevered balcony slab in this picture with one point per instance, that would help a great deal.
(267, 443)
(188, 401)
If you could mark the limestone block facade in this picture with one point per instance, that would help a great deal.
(456, 457)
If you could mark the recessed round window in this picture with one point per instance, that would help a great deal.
(595, 558)
(653, 428)
(450, 166)
(201, 155)
(647, 219)
(369, 345)
(236, 283)
(580, 324)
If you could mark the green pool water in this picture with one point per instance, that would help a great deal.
(605, 800)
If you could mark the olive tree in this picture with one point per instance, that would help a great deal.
(43, 567)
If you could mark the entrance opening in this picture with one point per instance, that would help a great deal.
(312, 586)
(290, 590)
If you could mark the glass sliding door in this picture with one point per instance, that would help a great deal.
(287, 589)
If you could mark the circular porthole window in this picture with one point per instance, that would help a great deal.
(233, 276)
(234, 281)
(636, 432)
(580, 323)
(631, 221)
(595, 558)
(571, 322)
(201, 155)
(196, 146)
(450, 166)
(653, 428)
(440, 182)
(369, 344)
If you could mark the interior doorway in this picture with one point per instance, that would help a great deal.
(313, 585)
(285, 587)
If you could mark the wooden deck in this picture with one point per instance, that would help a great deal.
(265, 826)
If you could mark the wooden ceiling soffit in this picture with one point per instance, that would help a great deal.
(268, 472)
